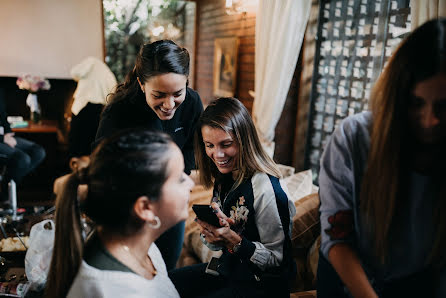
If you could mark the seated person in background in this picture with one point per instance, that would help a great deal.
(94, 82)
(382, 182)
(22, 156)
(252, 205)
(136, 190)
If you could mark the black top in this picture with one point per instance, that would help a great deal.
(83, 129)
(136, 113)
(3, 115)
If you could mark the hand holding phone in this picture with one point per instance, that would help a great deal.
(207, 214)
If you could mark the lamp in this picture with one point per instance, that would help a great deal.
(235, 7)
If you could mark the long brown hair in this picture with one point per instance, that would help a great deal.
(123, 167)
(384, 188)
(230, 115)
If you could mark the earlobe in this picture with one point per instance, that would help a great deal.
(144, 209)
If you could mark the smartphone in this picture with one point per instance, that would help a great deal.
(206, 213)
(212, 266)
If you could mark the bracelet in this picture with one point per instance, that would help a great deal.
(236, 247)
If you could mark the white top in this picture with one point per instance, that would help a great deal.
(92, 282)
(94, 82)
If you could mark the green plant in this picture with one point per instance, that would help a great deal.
(131, 23)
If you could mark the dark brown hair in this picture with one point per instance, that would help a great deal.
(156, 58)
(384, 188)
(123, 168)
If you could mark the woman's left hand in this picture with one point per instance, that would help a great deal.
(220, 235)
(223, 218)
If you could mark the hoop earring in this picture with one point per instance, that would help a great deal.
(157, 223)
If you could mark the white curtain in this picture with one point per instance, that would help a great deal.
(424, 10)
(280, 29)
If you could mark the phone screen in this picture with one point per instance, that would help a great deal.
(212, 267)
(206, 213)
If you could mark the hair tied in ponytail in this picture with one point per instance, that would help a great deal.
(82, 175)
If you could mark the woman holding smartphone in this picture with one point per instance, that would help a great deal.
(252, 206)
(155, 96)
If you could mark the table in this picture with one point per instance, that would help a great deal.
(45, 126)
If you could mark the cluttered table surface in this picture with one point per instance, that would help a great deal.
(13, 248)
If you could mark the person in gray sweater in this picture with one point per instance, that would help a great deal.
(382, 182)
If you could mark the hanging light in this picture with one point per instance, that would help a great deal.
(235, 7)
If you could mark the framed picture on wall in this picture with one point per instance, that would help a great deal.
(225, 66)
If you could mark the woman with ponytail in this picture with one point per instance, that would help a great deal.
(382, 182)
(155, 96)
(136, 190)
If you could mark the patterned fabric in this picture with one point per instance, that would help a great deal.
(306, 223)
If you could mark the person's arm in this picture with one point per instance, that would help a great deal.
(188, 149)
(346, 263)
(268, 252)
(107, 125)
(341, 160)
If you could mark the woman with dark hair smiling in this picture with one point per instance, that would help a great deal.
(155, 96)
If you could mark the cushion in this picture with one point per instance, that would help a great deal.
(306, 223)
(300, 185)
(312, 261)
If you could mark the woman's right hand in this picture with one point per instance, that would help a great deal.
(10, 140)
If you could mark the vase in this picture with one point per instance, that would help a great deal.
(34, 107)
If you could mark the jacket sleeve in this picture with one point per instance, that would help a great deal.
(268, 252)
(336, 190)
(188, 149)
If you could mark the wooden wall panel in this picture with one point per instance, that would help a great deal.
(213, 22)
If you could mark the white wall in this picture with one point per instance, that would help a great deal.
(48, 37)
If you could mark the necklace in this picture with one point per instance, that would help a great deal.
(144, 263)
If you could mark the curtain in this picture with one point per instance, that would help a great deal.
(280, 29)
(424, 10)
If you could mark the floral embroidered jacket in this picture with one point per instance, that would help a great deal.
(263, 214)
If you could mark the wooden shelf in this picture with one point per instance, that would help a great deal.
(45, 126)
